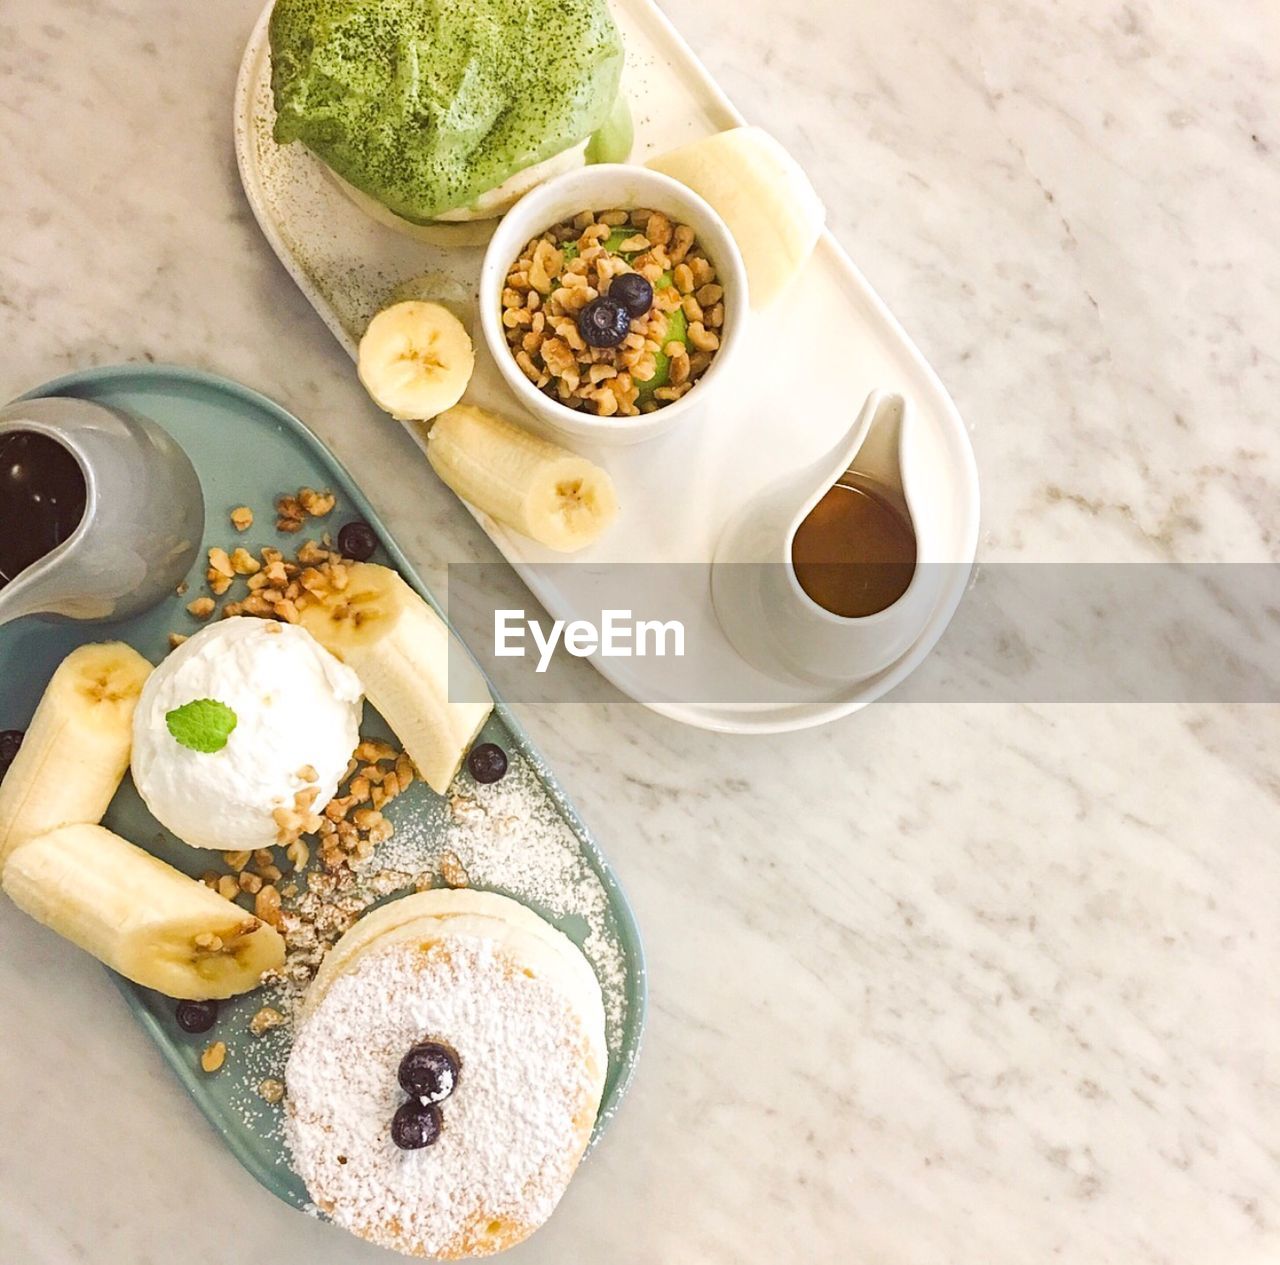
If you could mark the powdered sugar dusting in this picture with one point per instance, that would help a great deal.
(509, 836)
(513, 1129)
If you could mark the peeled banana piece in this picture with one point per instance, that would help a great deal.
(76, 749)
(409, 665)
(762, 194)
(529, 484)
(139, 916)
(415, 360)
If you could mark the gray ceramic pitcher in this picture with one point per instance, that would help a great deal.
(143, 517)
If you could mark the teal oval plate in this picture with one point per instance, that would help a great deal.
(520, 836)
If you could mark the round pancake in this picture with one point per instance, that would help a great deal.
(522, 1008)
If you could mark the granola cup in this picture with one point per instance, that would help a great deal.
(598, 189)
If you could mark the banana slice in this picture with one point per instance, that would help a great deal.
(141, 917)
(409, 665)
(415, 360)
(534, 486)
(76, 749)
(762, 194)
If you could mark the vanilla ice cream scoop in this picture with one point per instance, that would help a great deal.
(297, 713)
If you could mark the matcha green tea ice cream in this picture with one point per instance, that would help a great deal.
(448, 110)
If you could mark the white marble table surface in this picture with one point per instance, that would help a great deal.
(981, 984)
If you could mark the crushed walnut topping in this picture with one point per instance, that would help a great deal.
(331, 904)
(242, 518)
(300, 819)
(577, 261)
(353, 824)
(292, 510)
(316, 504)
(266, 904)
(264, 1020)
(244, 563)
(271, 1090)
(452, 873)
(220, 572)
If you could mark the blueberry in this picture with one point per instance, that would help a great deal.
(10, 741)
(357, 541)
(414, 1125)
(429, 1072)
(604, 322)
(487, 762)
(197, 1016)
(634, 293)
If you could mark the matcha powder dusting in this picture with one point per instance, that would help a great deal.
(425, 105)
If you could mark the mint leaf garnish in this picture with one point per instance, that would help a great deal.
(202, 725)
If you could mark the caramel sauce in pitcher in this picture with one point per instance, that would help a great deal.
(855, 552)
(42, 499)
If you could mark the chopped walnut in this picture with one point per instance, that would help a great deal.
(681, 243)
(702, 338)
(244, 563)
(219, 563)
(264, 1020)
(266, 905)
(242, 518)
(452, 872)
(289, 514)
(317, 504)
(202, 607)
(312, 552)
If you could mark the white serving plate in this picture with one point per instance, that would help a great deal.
(676, 491)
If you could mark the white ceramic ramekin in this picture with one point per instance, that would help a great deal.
(604, 188)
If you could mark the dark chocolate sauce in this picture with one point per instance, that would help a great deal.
(42, 498)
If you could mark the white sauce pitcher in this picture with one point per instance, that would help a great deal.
(771, 621)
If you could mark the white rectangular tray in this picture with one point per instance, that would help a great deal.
(677, 491)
